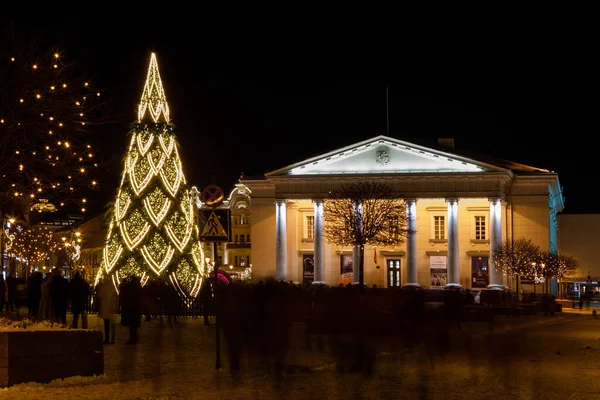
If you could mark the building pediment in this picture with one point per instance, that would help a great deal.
(385, 155)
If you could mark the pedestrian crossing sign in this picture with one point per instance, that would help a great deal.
(215, 226)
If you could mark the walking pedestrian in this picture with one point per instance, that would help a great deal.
(79, 291)
(131, 308)
(106, 296)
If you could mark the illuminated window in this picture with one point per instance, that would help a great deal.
(393, 273)
(309, 227)
(480, 227)
(439, 227)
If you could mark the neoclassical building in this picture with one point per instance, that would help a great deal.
(460, 207)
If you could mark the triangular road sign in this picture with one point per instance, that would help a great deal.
(213, 227)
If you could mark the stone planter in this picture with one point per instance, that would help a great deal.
(42, 356)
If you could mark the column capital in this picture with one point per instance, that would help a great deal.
(317, 200)
(451, 199)
(494, 199)
(280, 201)
(410, 200)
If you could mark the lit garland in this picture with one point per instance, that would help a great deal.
(152, 230)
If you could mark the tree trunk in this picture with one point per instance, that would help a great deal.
(361, 266)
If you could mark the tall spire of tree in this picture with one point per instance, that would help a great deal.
(153, 105)
(152, 231)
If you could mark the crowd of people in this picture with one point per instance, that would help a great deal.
(48, 296)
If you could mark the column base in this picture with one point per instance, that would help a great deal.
(411, 286)
(320, 283)
(496, 286)
(453, 286)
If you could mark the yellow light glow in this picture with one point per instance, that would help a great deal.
(35, 66)
(132, 244)
(21, 100)
(157, 267)
(38, 96)
(56, 55)
(153, 99)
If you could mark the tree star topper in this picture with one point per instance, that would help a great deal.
(153, 99)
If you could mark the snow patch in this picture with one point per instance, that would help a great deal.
(9, 325)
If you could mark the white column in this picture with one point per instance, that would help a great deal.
(355, 262)
(319, 244)
(453, 255)
(411, 244)
(495, 242)
(280, 241)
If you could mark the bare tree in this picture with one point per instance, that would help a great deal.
(364, 213)
(49, 114)
(557, 265)
(518, 258)
(34, 246)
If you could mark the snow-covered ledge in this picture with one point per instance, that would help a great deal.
(42, 352)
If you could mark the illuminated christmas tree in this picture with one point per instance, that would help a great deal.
(152, 231)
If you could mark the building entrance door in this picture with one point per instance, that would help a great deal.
(393, 273)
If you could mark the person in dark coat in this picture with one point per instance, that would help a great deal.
(206, 298)
(34, 293)
(79, 291)
(130, 293)
(12, 282)
(59, 293)
(3, 293)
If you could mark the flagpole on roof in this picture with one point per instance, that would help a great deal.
(387, 112)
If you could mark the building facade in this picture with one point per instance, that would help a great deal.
(459, 207)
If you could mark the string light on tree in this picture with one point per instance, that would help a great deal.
(54, 102)
(152, 230)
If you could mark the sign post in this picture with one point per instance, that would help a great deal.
(215, 227)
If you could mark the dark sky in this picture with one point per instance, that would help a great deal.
(254, 100)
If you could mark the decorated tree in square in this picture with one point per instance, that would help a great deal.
(49, 113)
(152, 231)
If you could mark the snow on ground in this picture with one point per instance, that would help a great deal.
(551, 358)
(7, 325)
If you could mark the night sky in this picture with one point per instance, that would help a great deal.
(254, 101)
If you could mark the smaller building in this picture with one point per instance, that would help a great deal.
(578, 236)
(234, 256)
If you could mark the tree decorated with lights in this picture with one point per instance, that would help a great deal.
(34, 247)
(49, 110)
(520, 257)
(152, 231)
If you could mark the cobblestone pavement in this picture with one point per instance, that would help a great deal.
(526, 357)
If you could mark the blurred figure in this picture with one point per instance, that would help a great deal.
(206, 299)
(3, 293)
(11, 282)
(59, 292)
(46, 310)
(130, 293)
(34, 294)
(79, 291)
(107, 303)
